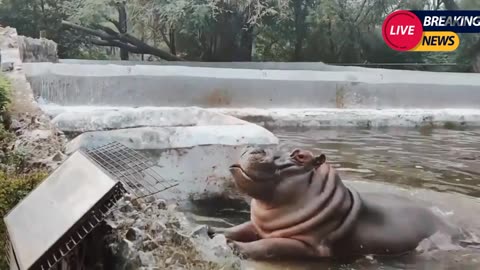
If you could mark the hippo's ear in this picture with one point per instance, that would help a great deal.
(319, 160)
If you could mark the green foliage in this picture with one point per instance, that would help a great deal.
(332, 31)
(13, 188)
(14, 185)
(4, 92)
(29, 17)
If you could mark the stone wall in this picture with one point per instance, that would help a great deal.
(37, 50)
(36, 135)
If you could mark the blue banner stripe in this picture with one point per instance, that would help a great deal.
(458, 21)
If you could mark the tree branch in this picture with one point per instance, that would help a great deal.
(87, 30)
(124, 41)
(108, 30)
(116, 43)
(164, 36)
(360, 11)
(114, 22)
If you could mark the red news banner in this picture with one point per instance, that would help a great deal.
(428, 30)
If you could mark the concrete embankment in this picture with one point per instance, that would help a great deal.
(87, 117)
(142, 85)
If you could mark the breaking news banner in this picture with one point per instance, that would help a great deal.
(428, 30)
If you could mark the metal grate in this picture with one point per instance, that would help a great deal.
(89, 222)
(137, 173)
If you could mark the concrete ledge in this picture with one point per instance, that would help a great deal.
(319, 66)
(357, 117)
(86, 118)
(95, 119)
(108, 85)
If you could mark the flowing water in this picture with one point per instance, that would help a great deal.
(438, 166)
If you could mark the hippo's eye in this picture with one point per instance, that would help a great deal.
(301, 156)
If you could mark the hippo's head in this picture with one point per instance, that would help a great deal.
(260, 171)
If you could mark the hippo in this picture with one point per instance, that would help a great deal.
(300, 208)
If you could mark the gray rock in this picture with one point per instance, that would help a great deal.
(137, 203)
(220, 246)
(37, 49)
(125, 249)
(174, 237)
(160, 239)
(127, 207)
(133, 234)
(157, 227)
(132, 264)
(150, 245)
(161, 204)
(59, 156)
(149, 199)
(16, 125)
(176, 258)
(172, 207)
(7, 66)
(200, 231)
(140, 223)
(146, 258)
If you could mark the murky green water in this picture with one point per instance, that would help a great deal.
(441, 160)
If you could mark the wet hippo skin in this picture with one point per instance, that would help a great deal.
(300, 208)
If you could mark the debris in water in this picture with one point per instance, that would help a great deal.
(164, 239)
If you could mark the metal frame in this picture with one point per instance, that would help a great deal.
(78, 233)
(134, 174)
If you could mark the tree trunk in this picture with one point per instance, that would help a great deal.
(122, 22)
(246, 45)
(232, 41)
(476, 63)
(300, 13)
(173, 47)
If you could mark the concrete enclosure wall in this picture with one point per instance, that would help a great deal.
(115, 85)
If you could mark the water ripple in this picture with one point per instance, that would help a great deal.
(438, 159)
